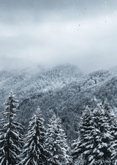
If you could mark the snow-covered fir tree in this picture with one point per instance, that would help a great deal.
(84, 132)
(113, 128)
(34, 152)
(56, 143)
(96, 141)
(10, 136)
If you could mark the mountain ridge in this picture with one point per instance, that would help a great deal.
(63, 89)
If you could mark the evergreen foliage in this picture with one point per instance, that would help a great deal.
(56, 143)
(10, 137)
(34, 152)
(96, 141)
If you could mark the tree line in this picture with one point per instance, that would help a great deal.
(39, 145)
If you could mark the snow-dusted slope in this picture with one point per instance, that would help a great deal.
(62, 89)
(32, 81)
(67, 101)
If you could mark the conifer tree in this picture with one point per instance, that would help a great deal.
(114, 156)
(34, 152)
(113, 128)
(79, 145)
(56, 143)
(95, 143)
(10, 137)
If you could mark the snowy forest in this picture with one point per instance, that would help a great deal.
(58, 82)
(69, 122)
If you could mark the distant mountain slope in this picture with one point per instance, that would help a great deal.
(31, 81)
(63, 89)
(69, 101)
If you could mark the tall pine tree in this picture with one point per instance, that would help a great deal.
(79, 145)
(10, 137)
(56, 143)
(113, 129)
(34, 152)
(95, 144)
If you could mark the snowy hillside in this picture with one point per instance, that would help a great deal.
(31, 81)
(63, 89)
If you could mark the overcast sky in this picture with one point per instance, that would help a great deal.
(50, 32)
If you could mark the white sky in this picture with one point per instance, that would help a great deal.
(83, 33)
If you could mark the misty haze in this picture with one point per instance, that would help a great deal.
(58, 82)
(52, 33)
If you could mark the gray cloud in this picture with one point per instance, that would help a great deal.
(58, 4)
(36, 10)
(49, 32)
